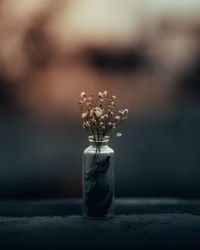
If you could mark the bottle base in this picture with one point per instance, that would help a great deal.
(105, 217)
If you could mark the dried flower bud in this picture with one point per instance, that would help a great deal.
(84, 115)
(83, 94)
(90, 98)
(100, 94)
(102, 117)
(114, 97)
(101, 100)
(91, 112)
(113, 126)
(118, 134)
(93, 120)
(101, 123)
(105, 92)
(98, 111)
(105, 116)
(102, 127)
(117, 118)
(86, 124)
(126, 111)
(109, 124)
(112, 103)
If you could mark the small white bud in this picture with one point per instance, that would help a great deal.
(84, 115)
(117, 118)
(83, 94)
(126, 111)
(105, 92)
(118, 134)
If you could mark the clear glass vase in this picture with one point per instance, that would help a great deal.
(98, 179)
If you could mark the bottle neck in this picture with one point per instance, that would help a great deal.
(98, 143)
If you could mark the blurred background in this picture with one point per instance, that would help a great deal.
(146, 52)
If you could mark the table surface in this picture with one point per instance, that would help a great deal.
(140, 222)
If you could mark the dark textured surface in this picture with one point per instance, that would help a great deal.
(127, 206)
(138, 223)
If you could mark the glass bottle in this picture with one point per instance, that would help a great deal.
(98, 179)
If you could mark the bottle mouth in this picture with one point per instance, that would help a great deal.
(93, 138)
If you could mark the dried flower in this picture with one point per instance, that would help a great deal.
(118, 134)
(117, 118)
(83, 94)
(93, 120)
(91, 113)
(121, 112)
(84, 115)
(105, 93)
(86, 124)
(126, 111)
(98, 113)
(102, 117)
(113, 126)
(112, 103)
